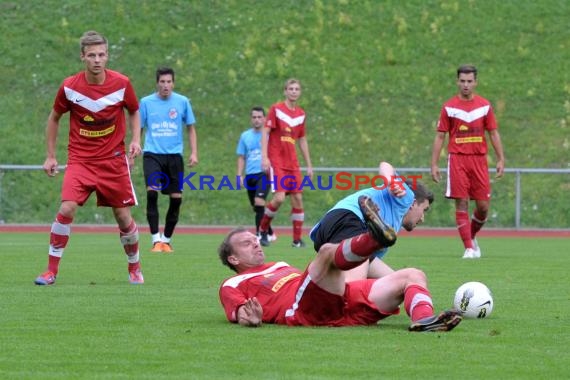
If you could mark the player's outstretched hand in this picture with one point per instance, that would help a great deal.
(250, 313)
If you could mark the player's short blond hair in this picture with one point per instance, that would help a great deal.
(291, 81)
(90, 38)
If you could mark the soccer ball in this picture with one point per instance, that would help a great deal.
(473, 300)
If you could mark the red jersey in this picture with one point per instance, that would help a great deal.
(97, 124)
(274, 285)
(466, 122)
(286, 127)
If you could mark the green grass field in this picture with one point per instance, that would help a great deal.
(94, 325)
(374, 73)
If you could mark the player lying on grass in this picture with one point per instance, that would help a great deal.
(278, 293)
(402, 204)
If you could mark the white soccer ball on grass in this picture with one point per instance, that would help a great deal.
(474, 300)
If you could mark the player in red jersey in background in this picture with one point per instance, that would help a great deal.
(284, 127)
(320, 296)
(97, 162)
(466, 117)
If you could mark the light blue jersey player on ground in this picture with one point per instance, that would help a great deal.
(400, 203)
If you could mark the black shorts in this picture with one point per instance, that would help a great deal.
(257, 186)
(338, 225)
(163, 172)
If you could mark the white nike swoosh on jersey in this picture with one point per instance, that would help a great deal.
(291, 121)
(467, 117)
(94, 105)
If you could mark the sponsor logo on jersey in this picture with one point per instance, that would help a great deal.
(89, 121)
(94, 134)
(279, 284)
(468, 140)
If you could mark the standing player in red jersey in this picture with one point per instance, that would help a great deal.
(284, 126)
(466, 117)
(97, 162)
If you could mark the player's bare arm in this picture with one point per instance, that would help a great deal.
(265, 163)
(304, 146)
(193, 143)
(135, 145)
(498, 146)
(435, 153)
(389, 174)
(240, 169)
(50, 164)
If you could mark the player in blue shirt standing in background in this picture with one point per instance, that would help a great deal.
(249, 159)
(164, 114)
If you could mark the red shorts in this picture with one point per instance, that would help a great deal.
(468, 177)
(315, 306)
(287, 181)
(109, 178)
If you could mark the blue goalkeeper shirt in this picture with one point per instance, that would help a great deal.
(249, 146)
(392, 209)
(164, 120)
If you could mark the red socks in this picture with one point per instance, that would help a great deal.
(268, 216)
(354, 251)
(464, 228)
(477, 221)
(297, 218)
(59, 236)
(130, 241)
(417, 302)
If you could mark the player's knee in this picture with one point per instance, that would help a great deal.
(278, 199)
(415, 276)
(175, 203)
(68, 209)
(297, 200)
(482, 211)
(327, 249)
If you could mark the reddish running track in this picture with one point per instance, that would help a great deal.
(286, 231)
